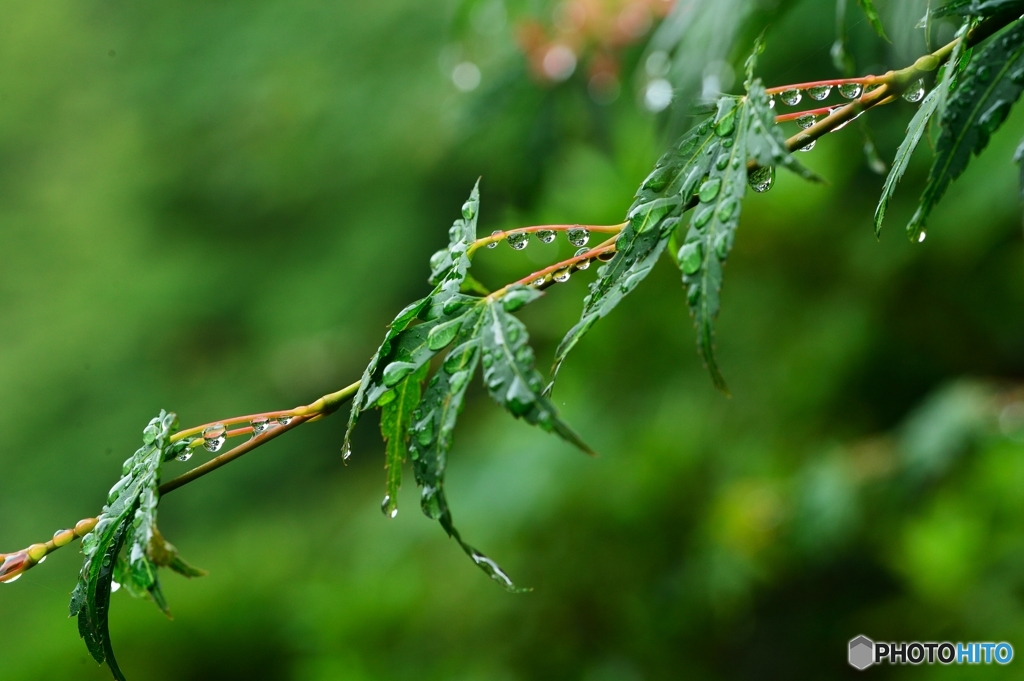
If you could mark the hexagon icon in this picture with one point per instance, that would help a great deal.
(862, 652)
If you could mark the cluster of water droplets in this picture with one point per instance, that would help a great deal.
(577, 236)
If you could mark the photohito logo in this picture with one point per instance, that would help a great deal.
(863, 652)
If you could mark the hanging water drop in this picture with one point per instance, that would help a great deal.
(468, 210)
(582, 264)
(805, 121)
(606, 256)
(771, 102)
(259, 424)
(762, 179)
(284, 420)
(546, 235)
(537, 282)
(214, 437)
(562, 275)
(791, 97)
(709, 190)
(518, 240)
(850, 90)
(915, 93)
(387, 508)
(921, 237)
(819, 92)
(185, 454)
(578, 236)
(494, 244)
(808, 146)
(346, 452)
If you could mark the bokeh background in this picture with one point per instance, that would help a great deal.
(215, 208)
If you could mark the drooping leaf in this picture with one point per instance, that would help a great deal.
(989, 88)
(430, 436)
(651, 220)
(120, 524)
(394, 418)
(406, 352)
(979, 8)
(868, 6)
(915, 131)
(511, 378)
(713, 225)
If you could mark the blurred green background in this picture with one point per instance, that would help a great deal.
(215, 208)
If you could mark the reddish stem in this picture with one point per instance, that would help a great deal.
(863, 80)
(825, 110)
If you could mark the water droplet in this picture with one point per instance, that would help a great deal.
(438, 259)
(771, 102)
(259, 424)
(443, 334)
(469, 210)
(537, 282)
(582, 264)
(578, 236)
(915, 93)
(725, 127)
(709, 190)
(762, 179)
(150, 434)
(546, 235)
(494, 244)
(114, 586)
(921, 237)
(214, 437)
(63, 537)
(791, 97)
(284, 420)
(606, 256)
(185, 455)
(396, 371)
(1017, 76)
(689, 257)
(518, 240)
(807, 147)
(702, 218)
(983, 74)
(37, 552)
(819, 92)
(805, 121)
(850, 90)
(492, 569)
(722, 162)
(727, 210)
(387, 508)
(562, 275)
(12, 580)
(346, 452)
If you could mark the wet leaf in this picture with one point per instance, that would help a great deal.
(988, 90)
(394, 420)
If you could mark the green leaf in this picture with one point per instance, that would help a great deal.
(512, 379)
(1018, 158)
(433, 423)
(990, 86)
(915, 131)
(979, 8)
(713, 225)
(872, 14)
(129, 518)
(651, 221)
(407, 344)
(394, 418)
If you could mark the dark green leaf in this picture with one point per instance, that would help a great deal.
(915, 131)
(394, 419)
(989, 88)
(872, 14)
(511, 378)
(713, 225)
(651, 220)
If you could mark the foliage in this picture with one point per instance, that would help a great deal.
(419, 377)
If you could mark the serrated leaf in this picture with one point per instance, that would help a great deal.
(511, 378)
(430, 437)
(651, 220)
(120, 524)
(712, 230)
(868, 7)
(394, 419)
(449, 271)
(915, 131)
(766, 143)
(990, 86)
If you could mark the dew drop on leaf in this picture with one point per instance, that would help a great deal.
(578, 236)
(546, 236)
(819, 92)
(518, 240)
(396, 371)
(468, 210)
(709, 190)
(214, 437)
(582, 264)
(851, 90)
(722, 162)
(689, 257)
(762, 179)
(791, 97)
(915, 93)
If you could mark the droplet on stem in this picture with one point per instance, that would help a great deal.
(762, 179)
(790, 97)
(546, 236)
(582, 264)
(819, 92)
(915, 93)
(578, 236)
(805, 121)
(850, 90)
(494, 244)
(518, 240)
(562, 275)
(214, 437)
